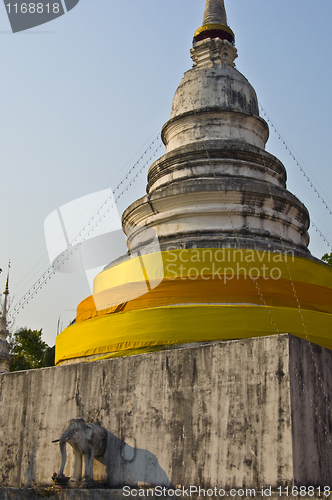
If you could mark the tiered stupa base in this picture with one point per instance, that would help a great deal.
(199, 295)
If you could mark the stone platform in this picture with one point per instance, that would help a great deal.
(238, 414)
(30, 494)
(33, 494)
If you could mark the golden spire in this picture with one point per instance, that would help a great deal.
(214, 23)
(215, 12)
(6, 292)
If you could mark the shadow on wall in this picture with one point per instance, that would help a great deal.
(128, 465)
(30, 470)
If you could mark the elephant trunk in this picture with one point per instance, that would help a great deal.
(63, 456)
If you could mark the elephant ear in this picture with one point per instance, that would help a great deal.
(88, 430)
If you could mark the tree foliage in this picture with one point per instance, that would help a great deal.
(28, 350)
(327, 258)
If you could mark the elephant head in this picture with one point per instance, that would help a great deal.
(89, 440)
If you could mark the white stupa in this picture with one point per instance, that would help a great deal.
(5, 358)
(230, 255)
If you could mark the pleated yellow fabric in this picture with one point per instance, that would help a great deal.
(184, 324)
(185, 296)
(214, 262)
(200, 291)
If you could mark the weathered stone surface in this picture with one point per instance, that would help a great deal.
(29, 494)
(214, 160)
(231, 414)
(215, 88)
(224, 208)
(215, 113)
(216, 186)
(35, 494)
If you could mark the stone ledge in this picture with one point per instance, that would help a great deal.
(117, 494)
(38, 494)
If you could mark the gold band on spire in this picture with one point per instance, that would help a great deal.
(212, 27)
(214, 23)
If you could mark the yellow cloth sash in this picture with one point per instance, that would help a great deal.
(185, 296)
(185, 324)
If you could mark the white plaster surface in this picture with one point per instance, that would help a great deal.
(201, 194)
(229, 414)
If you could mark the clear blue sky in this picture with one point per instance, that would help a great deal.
(82, 95)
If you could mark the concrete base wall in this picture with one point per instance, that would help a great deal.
(241, 413)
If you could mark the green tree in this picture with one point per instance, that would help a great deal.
(327, 258)
(28, 350)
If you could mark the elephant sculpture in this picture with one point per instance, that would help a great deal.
(89, 440)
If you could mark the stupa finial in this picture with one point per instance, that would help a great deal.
(6, 292)
(3, 317)
(215, 12)
(214, 23)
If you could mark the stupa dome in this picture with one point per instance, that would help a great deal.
(218, 87)
(214, 101)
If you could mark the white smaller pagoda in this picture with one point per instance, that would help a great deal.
(5, 358)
